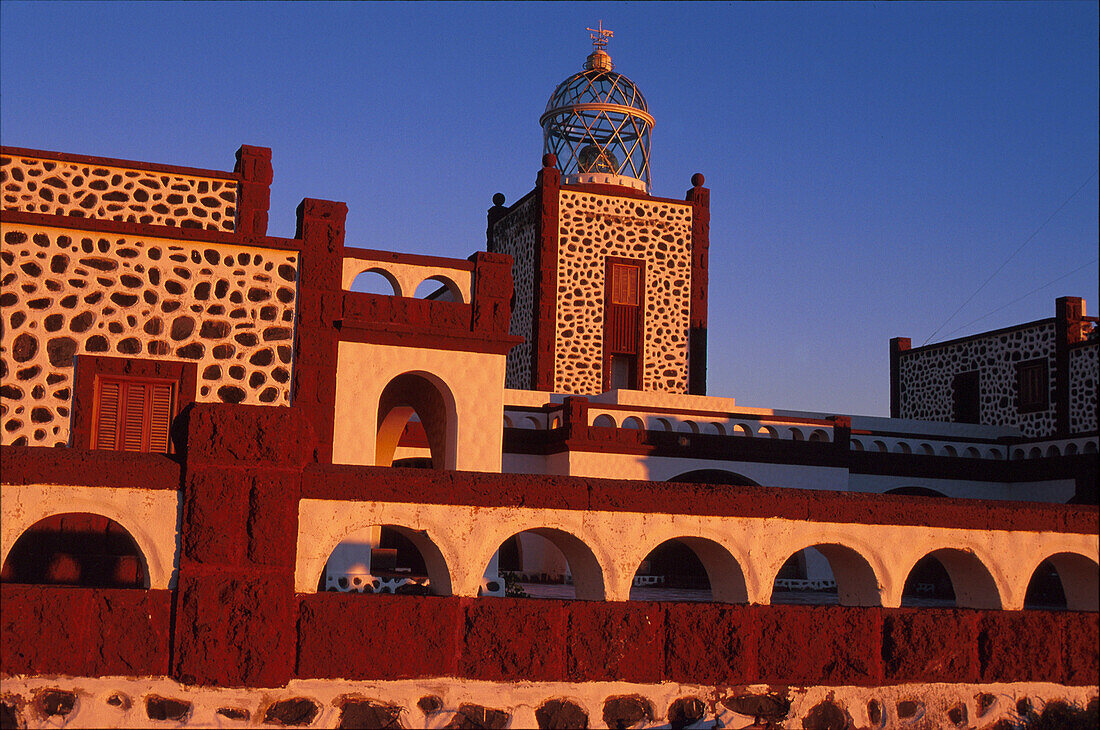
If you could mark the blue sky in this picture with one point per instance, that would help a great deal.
(870, 164)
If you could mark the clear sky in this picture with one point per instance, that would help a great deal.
(870, 164)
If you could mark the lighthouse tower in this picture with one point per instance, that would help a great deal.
(610, 281)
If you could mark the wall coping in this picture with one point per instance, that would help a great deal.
(115, 162)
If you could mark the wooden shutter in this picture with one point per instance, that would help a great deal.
(107, 415)
(622, 310)
(134, 415)
(624, 284)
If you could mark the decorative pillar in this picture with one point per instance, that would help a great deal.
(547, 190)
(699, 197)
(235, 612)
(320, 311)
(898, 345)
(493, 215)
(254, 196)
(492, 293)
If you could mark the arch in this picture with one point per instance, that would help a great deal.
(995, 454)
(508, 421)
(662, 424)
(1018, 454)
(633, 422)
(605, 421)
(819, 435)
(856, 445)
(715, 428)
(743, 429)
(584, 567)
(927, 450)
(530, 422)
(450, 291)
(376, 281)
(725, 578)
(1079, 578)
(1070, 450)
(796, 434)
(713, 476)
(1035, 453)
(1053, 450)
(369, 559)
(687, 426)
(856, 581)
(1090, 447)
(880, 446)
(768, 431)
(948, 450)
(77, 549)
(901, 447)
(971, 582)
(972, 453)
(915, 492)
(427, 397)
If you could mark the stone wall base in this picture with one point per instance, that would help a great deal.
(125, 702)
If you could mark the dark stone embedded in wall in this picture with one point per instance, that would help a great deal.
(430, 704)
(768, 708)
(826, 715)
(120, 700)
(10, 715)
(166, 708)
(874, 712)
(626, 711)
(358, 712)
(295, 712)
(986, 702)
(909, 708)
(476, 717)
(234, 713)
(685, 711)
(561, 715)
(958, 715)
(55, 702)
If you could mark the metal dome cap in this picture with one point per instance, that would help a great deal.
(597, 124)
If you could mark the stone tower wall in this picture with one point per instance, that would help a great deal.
(516, 235)
(593, 227)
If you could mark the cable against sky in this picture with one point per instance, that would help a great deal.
(1010, 257)
(1025, 296)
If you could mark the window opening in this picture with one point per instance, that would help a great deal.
(1034, 394)
(133, 414)
(966, 397)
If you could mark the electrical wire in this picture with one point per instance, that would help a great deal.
(1011, 256)
(1025, 296)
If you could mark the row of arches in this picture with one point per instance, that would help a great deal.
(91, 550)
(378, 280)
(673, 425)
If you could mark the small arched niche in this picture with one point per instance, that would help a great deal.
(386, 559)
(689, 569)
(714, 476)
(438, 288)
(827, 573)
(604, 421)
(1064, 581)
(950, 577)
(413, 398)
(633, 422)
(376, 281)
(546, 563)
(76, 549)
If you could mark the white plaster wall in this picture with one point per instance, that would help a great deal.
(150, 516)
(409, 276)
(615, 543)
(475, 381)
(521, 699)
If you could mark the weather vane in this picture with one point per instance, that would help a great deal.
(600, 36)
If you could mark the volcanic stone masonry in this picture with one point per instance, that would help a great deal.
(228, 308)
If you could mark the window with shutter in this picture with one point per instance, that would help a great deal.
(623, 323)
(133, 414)
(1032, 386)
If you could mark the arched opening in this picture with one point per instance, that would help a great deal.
(819, 436)
(508, 422)
(902, 447)
(1053, 450)
(605, 421)
(879, 446)
(409, 399)
(1071, 450)
(743, 429)
(972, 453)
(715, 428)
(1017, 453)
(386, 559)
(634, 422)
(927, 450)
(687, 427)
(1035, 453)
(714, 476)
(948, 450)
(1090, 447)
(530, 422)
(950, 577)
(827, 573)
(377, 281)
(689, 569)
(797, 435)
(856, 445)
(768, 432)
(438, 288)
(546, 563)
(1065, 581)
(995, 454)
(662, 424)
(915, 492)
(76, 549)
